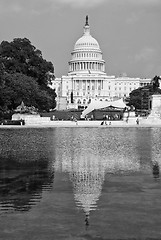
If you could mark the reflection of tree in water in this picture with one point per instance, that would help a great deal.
(22, 183)
(25, 167)
(156, 152)
(149, 151)
(156, 170)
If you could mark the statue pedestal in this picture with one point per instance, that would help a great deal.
(156, 102)
(125, 116)
(156, 107)
(155, 115)
(130, 117)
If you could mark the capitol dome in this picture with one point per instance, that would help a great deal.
(86, 42)
(86, 55)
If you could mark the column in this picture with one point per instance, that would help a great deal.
(80, 84)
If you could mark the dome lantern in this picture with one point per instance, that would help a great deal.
(86, 27)
(87, 24)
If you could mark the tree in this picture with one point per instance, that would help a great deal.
(25, 76)
(18, 87)
(139, 97)
(22, 57)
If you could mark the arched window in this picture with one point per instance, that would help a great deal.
(84, 101)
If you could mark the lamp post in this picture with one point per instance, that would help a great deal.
(72, 100)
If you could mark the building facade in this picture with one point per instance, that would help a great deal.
(87, 78)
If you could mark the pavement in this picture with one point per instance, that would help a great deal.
(82, 124)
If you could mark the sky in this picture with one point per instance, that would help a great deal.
(128, 31)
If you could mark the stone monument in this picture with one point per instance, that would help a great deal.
(29, 115)
(155, 99)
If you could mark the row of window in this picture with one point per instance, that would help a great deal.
(87, 101)
(99, 88)
(92, 87)
(130, 89)
(130, 83)
(87, 44)
(85, 55)
(144, 84)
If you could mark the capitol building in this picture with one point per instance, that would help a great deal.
(87, 79)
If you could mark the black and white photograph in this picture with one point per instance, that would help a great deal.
(80, 119)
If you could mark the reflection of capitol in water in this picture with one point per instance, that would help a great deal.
(87, 174)
(88, 160)
(86, 171)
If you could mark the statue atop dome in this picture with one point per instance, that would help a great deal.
(87, 24)
(86, 27)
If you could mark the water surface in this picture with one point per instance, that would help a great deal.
(80, 183)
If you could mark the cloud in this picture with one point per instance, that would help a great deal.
(145, 54)
(94, 3)
(80, 3)
(143, 2)
(133, 18)
(7, 7)
(39, 6)
(33, 7)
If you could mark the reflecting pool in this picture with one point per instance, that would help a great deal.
(80, 183)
